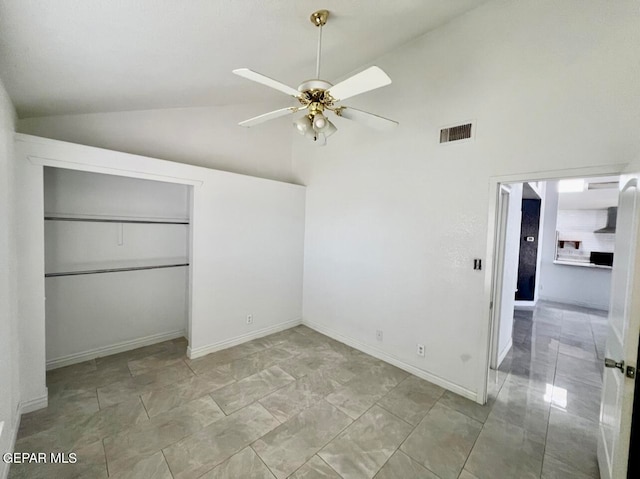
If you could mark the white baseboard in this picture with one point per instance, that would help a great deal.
(502, 354)
(584, 304)
(112, 349)
(193, 353)
(388, 358)
(34, 404)
(526, 305)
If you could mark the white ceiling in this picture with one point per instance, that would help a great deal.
(82, 56)
(591, 199)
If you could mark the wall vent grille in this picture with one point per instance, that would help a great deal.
(455, 133)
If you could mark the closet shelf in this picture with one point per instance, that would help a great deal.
(115, 220)
(116, 269)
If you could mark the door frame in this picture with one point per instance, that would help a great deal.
(485, 341)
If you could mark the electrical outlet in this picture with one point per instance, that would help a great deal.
(420, 350)
(379, 335)
(249, 318)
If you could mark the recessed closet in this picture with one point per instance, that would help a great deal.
(116, 263)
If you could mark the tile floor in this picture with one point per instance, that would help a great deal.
(298, 404)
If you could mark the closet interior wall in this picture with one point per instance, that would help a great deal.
(126, 236)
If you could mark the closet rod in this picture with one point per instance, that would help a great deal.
(114, 270)
(99, 220)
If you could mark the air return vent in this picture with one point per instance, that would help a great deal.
(455, 133)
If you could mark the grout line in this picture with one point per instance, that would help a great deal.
(98, 399)
(546, 434)
(104, 450)
(250, 446)
(223, 411)
(471, 450)
(144, 407)
(396, 416)
(167, 463)
(328, 465)
(279, 421)
(190, 368)
(360, 416)
(413, 428)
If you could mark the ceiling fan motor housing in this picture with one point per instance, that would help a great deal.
(314, 85)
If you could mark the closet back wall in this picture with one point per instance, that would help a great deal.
(98, 314)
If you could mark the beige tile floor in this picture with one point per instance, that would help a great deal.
(298, 404)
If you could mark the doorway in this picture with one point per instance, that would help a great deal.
(549, 383)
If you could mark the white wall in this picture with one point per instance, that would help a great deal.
(576, 285)
(510, 271)
(246, 248)
(394, 220)
(78, 193)
(208, 136)
(9, 365)
(98, 314)
(580, 225)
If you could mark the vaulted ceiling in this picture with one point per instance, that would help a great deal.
(83, 56)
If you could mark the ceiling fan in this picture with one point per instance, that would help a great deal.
(317, 96)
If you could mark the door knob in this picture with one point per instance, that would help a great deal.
(611, 363)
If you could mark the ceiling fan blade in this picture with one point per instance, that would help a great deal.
(268, 116)
(367, 119)
(265, 80)
(366, 80)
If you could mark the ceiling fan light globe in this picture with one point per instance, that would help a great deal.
(303, 125)
(320, 122)
(330, 129)
(319, 139)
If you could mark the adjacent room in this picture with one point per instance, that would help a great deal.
(296, 239)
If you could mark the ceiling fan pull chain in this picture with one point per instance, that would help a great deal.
(319, 51)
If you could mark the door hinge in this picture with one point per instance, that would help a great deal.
(627, 370)
(491, 305)
(612, 363)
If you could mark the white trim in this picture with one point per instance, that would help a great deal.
(193, 353)
(504, 352)
(112, 349)
(73, 165)
(388, 358)
(527, 305)
(97, 168)
(543, 207)
(579, 172)
(584, 304)
(33, 404)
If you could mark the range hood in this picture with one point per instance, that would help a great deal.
(612, 216)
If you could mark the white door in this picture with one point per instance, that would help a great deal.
(622, 341)
(498, 274)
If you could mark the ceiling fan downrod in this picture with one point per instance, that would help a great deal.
(319, 19)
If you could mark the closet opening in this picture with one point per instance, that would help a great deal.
(117, 264)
